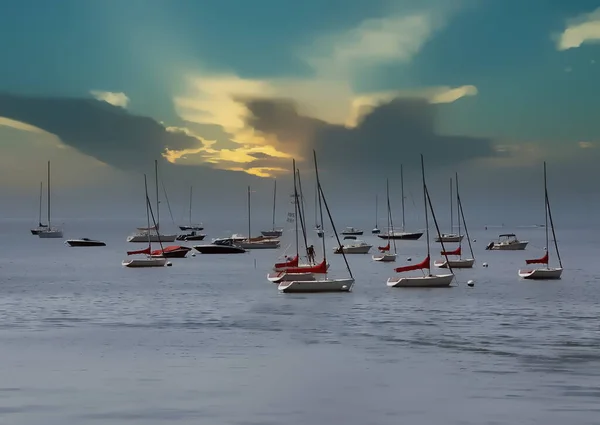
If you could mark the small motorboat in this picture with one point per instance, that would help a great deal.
(84, 242)
(192, 236)
(351, 231)
(507, 242)
(357, 247)
(173, 251)
(220, 246)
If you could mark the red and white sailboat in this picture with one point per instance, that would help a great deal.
(148, 260)
(460, 262)
(386, 255)
(545, 273)
(427, 280)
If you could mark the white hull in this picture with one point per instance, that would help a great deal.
(463, 263)
(272, 233)
(517, 246)
(282, 269)
(449, 238)
(385, 258)
(541, 274)
(153, 238)
(51, 234)
(259, 245)
(145, 262)
(432, 281)
(290, 277)
(363, 249)
(324, 285)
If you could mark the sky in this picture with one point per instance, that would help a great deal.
(225, 93)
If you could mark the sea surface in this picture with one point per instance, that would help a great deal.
(84, 340)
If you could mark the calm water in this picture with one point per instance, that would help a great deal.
(85, 341)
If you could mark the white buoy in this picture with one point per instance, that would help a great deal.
(471, 283)
(485, 264)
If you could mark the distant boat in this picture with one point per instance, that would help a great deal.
(50, 232)
(191, 226)
(376, 230)
(428, 280)
(274, 232)
(192, 236)
(351, 231)
(356, 247)
(84, 242)
(148, 260)
(220, 246)
(257, 243)
(386, 256)
(403, 234)
(36, 230)
(507, 242)
(545, 273)
(458, 263)
(450, 237)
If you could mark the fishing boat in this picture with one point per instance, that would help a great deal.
(376, 229)
(450, 237)
(148, 260)
(385, 255)
(274, 232)
(401, 234)
(547, 272)
(460, 262)
(50, 232)
(191, 226)
(40, 227)
(321, 284)
(152, 232)
(84, 242)
(507, 242)
(427, 280)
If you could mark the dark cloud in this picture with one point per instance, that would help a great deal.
(391, 133)
(96, 128)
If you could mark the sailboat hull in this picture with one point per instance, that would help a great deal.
(449, 238)
(412, 236)
(145, 262)
(432, 281)
(315, 286)
(191, 227)
(153, 238)
(291, 277)
(463, 263)
(551, 273)
(385, 258)
(50, 234)
(276, 233)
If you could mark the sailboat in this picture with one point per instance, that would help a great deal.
(291, 270)
(545, 273)
(321, 284)
(191, 226)
(255, 243)
(458, 263)
(450, 237)
(36, 230)
(428, 280)
(376, 229)
(274, 232)
(149, 260)
(143, 233)
(386, 256)
(50, 232)
(391, 233)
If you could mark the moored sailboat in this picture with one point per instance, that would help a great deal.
(50, 232)
(450, 237)
(545, 273)
(191, 226)
(274, 232)
(40, 227)
(386, 256)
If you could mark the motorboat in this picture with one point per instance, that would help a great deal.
(357, 247)
(507, 242)
(173, 251)
(84, 242)
(351, 231)
(192, 236)
(220, 246)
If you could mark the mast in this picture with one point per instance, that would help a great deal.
(295, 207)
(191, 187)
(147, 212)
(402, 193)
(451, 209)
(249, 236)
(376, 210)
(157, 199)
(462, 216)
(274, 201)
(40, 212)
(316, 205)
(48, 195)
(301, 211)
(549, 211)
(389, 209)
(546, 212)
(458, 214)
(425, 204)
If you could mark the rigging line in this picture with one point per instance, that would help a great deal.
(301, 212)
(437, 228)
(462, 215)
(162, 183)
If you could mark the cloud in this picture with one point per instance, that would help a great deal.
(586, 145)
(582, 29)
(115, 99)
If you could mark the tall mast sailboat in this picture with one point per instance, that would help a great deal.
(36, 230)
(428, 280)
(460, 262)
(451, 237)
(376, 229)
(547, 272)
(50, 232)
(274, 232)
(387, 256)
(256, 243)
(191, 226)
